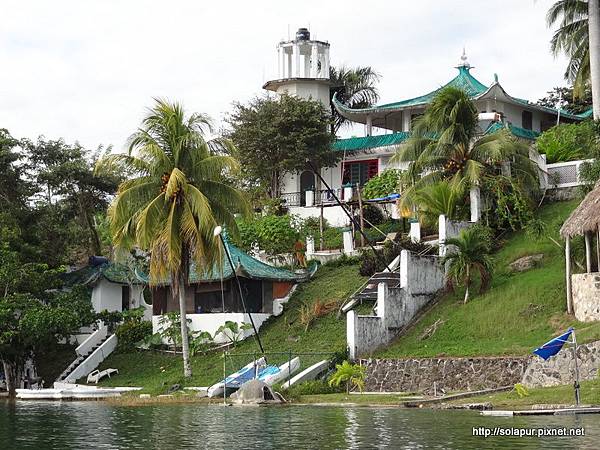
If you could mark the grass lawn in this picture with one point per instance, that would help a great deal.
(556, 395)
(156, 372)
(519, 312)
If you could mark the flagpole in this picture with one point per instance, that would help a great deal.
(576, 384)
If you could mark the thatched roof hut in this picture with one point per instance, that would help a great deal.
(585, 218)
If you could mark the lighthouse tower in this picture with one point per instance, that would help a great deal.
(302, 68)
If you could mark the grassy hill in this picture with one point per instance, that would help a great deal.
(327, 334)
(521, 310)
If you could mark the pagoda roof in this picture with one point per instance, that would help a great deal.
(354, 144)
(463, 80)
(92, 273)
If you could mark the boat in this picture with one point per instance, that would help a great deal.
(271, 375)
(308, 374)
(79, 392)
(235, 380)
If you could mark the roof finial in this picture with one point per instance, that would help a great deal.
(463, 60)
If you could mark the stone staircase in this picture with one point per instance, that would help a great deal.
(79, 360)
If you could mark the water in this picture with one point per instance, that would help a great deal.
(84, 425)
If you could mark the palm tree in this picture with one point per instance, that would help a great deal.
(572, 39)
(351, 374)
(470, 254)
(440, 198)
(175, 198)
(446, 144)
(594, 53)
(354, 88)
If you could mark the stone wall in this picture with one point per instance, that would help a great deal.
(448, 374)
(586, 296)
(560, 369)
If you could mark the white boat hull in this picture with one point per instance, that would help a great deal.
(285, 371)
(308, 374)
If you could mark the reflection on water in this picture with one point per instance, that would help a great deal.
(77, 425)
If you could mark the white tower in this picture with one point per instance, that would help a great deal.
(303, 68)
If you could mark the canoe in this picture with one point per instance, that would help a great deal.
(271, 375)
(308, 374)
(236, 379)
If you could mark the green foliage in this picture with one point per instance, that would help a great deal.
(276, 234)
(170, 328)
(372, 215)
(521, 390)
(200, 342)
(470, 253)
(233, 331)
(353, 375)
(508, 206)
(440, 198)
(568, 142)
(383, 184)
(110, 318)
(562, 97)
(313, 387)
(131, 332)
(274, 136)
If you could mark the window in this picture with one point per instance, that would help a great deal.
(527, 120)
(359, 172)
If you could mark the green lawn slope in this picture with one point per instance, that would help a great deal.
(156, 372)
(519, 312)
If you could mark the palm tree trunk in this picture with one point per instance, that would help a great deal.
(594, 36)
(185, 346)
(467, 284)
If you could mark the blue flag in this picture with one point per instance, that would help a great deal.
(553, 346)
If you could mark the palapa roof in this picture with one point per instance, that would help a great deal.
(586, 217)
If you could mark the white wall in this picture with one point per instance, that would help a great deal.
(108, 295)
(211, 322)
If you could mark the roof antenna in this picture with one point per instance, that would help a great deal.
(288, 31)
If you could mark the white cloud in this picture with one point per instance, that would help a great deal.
(85, 70)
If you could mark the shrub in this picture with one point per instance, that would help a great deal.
(372, 215)
(567, 142)
(350, 374)
(110, 318)
(314, 387)
(131, 333)
(320, 308)
(381, 185)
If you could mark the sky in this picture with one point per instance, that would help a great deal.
(86, 70)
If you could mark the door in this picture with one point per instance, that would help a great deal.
(307, 183)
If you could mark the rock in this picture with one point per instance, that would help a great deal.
(144, 395)
(174, 388)
(256, 392)
(526, 262)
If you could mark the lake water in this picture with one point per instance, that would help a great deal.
(84, 425)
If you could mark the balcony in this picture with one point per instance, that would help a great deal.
(316, 198)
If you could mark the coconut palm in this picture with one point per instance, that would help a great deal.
(446, 144)
(571, 38)
(174, 198)
(354, 88)
(594, 53)
(439, 198)
(470, 253)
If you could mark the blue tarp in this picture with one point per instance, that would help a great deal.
(387, 198)
(553, 346)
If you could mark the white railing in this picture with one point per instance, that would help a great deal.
(92, 340)
(565, 174)
(94, 360)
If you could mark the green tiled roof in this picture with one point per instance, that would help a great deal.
(246, 266)
(516, 131)
(113, 272)
(385, 140)
(367, 142)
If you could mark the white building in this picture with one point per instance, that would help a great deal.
(303, 66)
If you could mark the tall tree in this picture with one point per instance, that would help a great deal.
(355, 88)
(273, 137)
(175, 198)
(445, 145)
(571, 38)
(594, 39)
(562, 97)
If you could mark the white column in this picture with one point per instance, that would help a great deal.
(351, 334)
(281, 63)
(289, 73)
(348, 241)
(442, 235)
(314, 60)
(310, 245)
(325, 64)
(568, 275)
(404, 255)
(415, 231)
(475, 197)
(296, 60)
(347, 193)
(406, 120)
(310, 198)
(369, 125)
